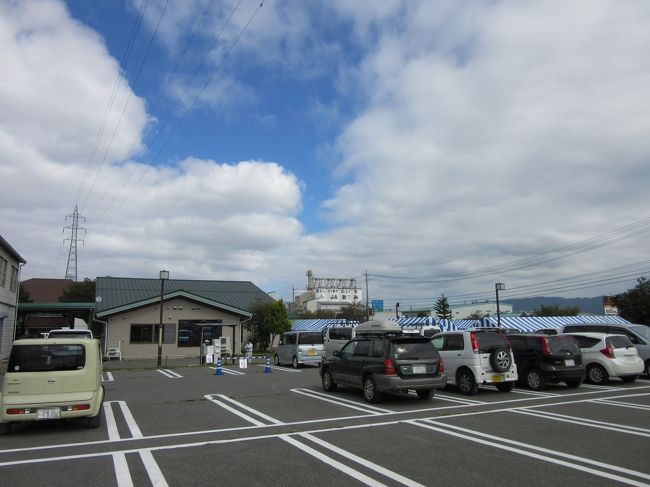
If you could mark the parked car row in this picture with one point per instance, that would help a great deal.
(466, 359)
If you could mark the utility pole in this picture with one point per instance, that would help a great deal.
(71, 268)
(367, 307)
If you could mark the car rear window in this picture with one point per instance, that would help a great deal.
(40, 358)
(310, 338)
(559, 344)
(618, 341)
(413, 350)
(68, 334)
(488, 340)
(340, 333)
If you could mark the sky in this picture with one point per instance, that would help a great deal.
(438, 146)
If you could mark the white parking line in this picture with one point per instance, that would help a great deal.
(597, 387)
(229, 371)
(516, 447)
(621, 404)
(245, 417)
(282, 369)
(551, 415)
(249, 409)
(446, 397)
(109, 377)
(122, 474)
(332, 463)
(341, 402)
(153, 470)
(169, 373)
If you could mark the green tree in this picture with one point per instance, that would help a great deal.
(258, 337)
(556, 310)
(23, 295)
(476, 315)
(442, 308)
(79, 292)
(634, 304)
(276, 320)
(353, 312)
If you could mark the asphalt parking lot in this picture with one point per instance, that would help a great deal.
(188, 426)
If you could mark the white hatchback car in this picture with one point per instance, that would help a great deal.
(605, 355)
(480, 356)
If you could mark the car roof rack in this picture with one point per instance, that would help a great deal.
(378, 328)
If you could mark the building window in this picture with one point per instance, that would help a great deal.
(3, 272)
(149, 333)
(13, 284)
(192, 332)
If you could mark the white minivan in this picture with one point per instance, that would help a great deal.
(335, 337)
(298, 348)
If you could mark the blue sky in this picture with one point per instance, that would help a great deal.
(440, 146)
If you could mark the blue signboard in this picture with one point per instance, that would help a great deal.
(378, 305)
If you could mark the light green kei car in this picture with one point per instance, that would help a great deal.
(52, 378)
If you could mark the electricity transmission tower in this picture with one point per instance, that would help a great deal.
(71, 268)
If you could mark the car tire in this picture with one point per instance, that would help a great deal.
(500, 360)
(425, 394)
(597, 374)
(294, 362)
(5, 428)
(370, 392)
(535, 380)
(276, 359)
(647, 368)
(629, 378)
(95, 421)
(574, 384)
(467, 383)
(328, 382)
(505, 386)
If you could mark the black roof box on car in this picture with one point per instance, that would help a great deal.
(378, 328)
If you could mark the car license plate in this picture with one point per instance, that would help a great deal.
(311, 352)
(419, 369)
(51, 413)
(498, 378)
(569, 362)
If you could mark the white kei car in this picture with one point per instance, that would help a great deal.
(605, 355)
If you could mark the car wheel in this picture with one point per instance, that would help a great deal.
(276, 359)
(505, 386)
(535, 380)
(328, 383)
(425, 394)
(5, 428)
(95, 421)
(501, 360)
(466, 383)
(295, 363)
(574, 383)
(629, 378)
(370, 392)
(647, 368)
(597, 374)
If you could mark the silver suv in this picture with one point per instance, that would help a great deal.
(473, 357)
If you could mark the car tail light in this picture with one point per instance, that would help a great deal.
(389, 368)
(77, 407)
(608, 351)
(472, 337)
(18, 411)
(441, 365)
(546, 348)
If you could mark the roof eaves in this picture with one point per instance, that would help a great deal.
(11, 250)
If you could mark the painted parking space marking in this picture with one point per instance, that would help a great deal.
(447, 397)
(630, 405)
(229, 371)
(583, 421)
(339, 401)
(169, 373)
(597, 387)
(539, 453)
(120, 465)
(281, 369)
(220, 400)
(109, 377)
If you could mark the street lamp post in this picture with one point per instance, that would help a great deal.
(499, 286)
(164, 275)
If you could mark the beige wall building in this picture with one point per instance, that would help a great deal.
(10, 262)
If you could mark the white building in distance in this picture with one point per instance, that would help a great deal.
(327, 293)
(461, 311)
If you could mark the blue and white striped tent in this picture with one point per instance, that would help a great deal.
(534, 323)
(322, 324)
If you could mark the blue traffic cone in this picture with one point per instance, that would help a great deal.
(267, 369)
(218, 370)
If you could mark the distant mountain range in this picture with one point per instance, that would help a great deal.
(586, 305)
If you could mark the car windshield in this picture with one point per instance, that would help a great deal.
(310, 338)
(488, 340)
(39, 358)
(642, 330)
(414, 350)
(562, 343)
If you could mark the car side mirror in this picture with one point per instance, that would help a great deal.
(336, 353)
